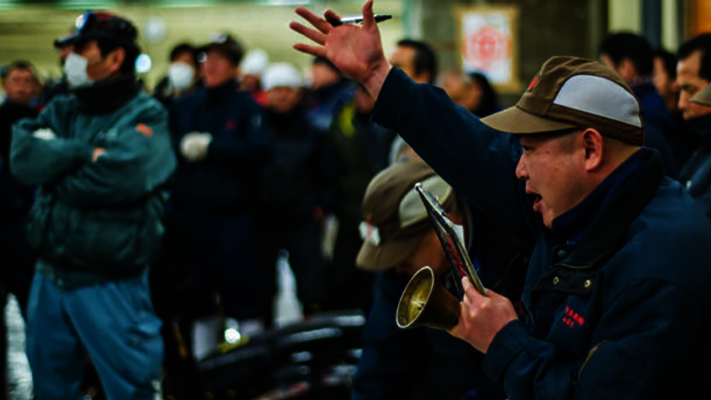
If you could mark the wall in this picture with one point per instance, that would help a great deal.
(546, 28)
(28, 32)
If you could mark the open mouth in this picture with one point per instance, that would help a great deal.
(536, 200)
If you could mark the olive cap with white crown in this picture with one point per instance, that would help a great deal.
(282, 75)
(395, 218)
(574, 93)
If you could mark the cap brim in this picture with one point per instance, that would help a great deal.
(386, 255)
(205, 48)
(703, 97)
(67, 40)
(515, 121)
(214, 46)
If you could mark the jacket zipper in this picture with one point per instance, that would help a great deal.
(587, 359)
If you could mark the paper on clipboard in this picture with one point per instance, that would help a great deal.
(459, 230)
(451, 237)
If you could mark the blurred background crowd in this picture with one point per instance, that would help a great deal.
(294, 198)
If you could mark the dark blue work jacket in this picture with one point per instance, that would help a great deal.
(226, 181)
(616, 305)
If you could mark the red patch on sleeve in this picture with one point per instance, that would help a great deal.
(144, 130)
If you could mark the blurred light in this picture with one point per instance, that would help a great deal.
(300, 357)
(85, 4)
(287, 2)
(80, 21)
(143, 63)
(185, 3)
(154, 30)
(9, 4)
(232, 335)
(202, 57)
(355, 320)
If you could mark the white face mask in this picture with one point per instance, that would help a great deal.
(180, 75)
(75, 68)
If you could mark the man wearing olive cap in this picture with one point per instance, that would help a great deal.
(399, 239)
(101, 159)
(615, 300)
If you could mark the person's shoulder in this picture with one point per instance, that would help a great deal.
(390, 284)
(246, 101)
(144, 104)
(669, 239)
(672, 212)
(309, 127)
(189, 100)
(655, 109)
(61, 102)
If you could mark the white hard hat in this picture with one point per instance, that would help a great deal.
(255, 62)
(282, 75)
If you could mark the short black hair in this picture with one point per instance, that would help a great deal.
(184, 48)
(489, 103)
(700, 43)
(636, 48)
(425, 58)
(20, 64)
(669, 61)
(107, 45)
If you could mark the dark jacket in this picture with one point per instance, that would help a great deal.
(323, 103)
(98, 217)
(695, 176)
(361, 149)
(659, 128)
(426, 363)
(15, 198)
(225, 182)
(54, 89)
(616, 307)
(408, 364)
(301, 175)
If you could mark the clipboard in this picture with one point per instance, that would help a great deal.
(451, 242)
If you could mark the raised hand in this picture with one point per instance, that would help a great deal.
(356, 51)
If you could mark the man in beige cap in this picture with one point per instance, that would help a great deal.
(399, 239)
(614, 304)
(696, 173)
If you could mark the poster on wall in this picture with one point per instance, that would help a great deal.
(488, 43)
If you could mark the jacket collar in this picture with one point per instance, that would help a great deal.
(700, 127)
(105, 97)
(286, 124)
(638, 179)
(217, 94)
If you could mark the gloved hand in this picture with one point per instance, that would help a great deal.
(44, 134)
(194, 145)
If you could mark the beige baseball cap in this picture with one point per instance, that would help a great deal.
(703, 97)
(395, 218)
(570, 93)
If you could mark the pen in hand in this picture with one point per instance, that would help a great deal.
(358, 20)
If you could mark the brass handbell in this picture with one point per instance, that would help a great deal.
(425, 302)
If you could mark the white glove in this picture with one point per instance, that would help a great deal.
(194, 145)
(44, 134)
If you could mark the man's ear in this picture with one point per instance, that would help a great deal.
(593, 144)
(115, 59)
